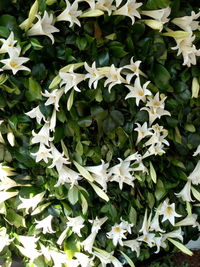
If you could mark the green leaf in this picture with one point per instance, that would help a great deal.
(161, 76)
(177, 34)
(81, 42)
(55, 82)
(15, 219)
(99, 192)
(118, 51)
(156, 4)
(70, 100)
(40, 208)
(83, 172)
(180, 246)
(153, 173)
(84, 204)
(4, 32)
(36, 44)
(133, 216)
(34, 90)
(73, 195)
(129, 261)
(160, 190)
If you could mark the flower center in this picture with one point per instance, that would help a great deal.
(169, 210)
(13, 64)
(140, 93)
(118, 229)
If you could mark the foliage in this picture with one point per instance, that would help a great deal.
(80, 160)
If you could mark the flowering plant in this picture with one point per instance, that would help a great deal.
(99, 130)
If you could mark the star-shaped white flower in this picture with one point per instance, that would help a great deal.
(130, 10)
(8, 44)
(113, 77)
(14, 62)
(138, 92)
(188, 23)
(134, 68)
(143, 131)
(197, 152)
(58, 158)
(44, 26)
(185, 193)
(67, 175)
(105, 5)
(117, 234)
(43, 153)
(168, 212)
(93, 75)
(53, 97)
(194, 176)
(43, 136)
(71, 13)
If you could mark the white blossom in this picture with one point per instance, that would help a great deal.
(45, 224)
(58, 158)
(194, 176)
(113, 77)
(4, 239)
(117, 234)
(76, 224)
(168, 212)
(105, 5)
(130, 10)
(134, 245)
(187, 23)
(106, 258)
(67, 175)
(70, 14)
(44, 26)
(93, 75)
(8, 44)
(134, 68)
(31, 202)
(43, 153)
(185, 193)
(43, 136)
(53, 97)
(197, 152)
(148, 238)
(36, 113)
(143, 131)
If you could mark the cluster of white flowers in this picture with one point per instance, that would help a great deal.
(14, 62)
(185, 45)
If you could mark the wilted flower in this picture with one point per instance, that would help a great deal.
(44, 26)
(70, 13)
(45, 224)
(138, 92)
(76, 223)
(168, 212)
(130, 10)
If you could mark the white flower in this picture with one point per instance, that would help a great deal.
(71, 80)
(31, 202)
(105, 5)
(36, 113)
(189, 220)
(32, 254)
(52, 122)
(4, 239)
(159, 242)
(160, 17)
(145, 224)
(113, 76)
(155, 226)
(14, 63)
(93, 75)
(154, 149)
(187, 49)
(28, 242)
(6, 195)
(121, 173)
(106, 258)
(58, 158)
(97, 223)
(134, 67)
(53, 97)
(130, 10)
(197, 152)
(168, 212)
(174, 234)
(126, 225)
(6, 171)
(155, 102)
(70, 13)
(44, 26)
(143, 131)
(43, 153)
(134, 245)
(66, 175)
(59, 258)
(118, 2)
(158, 136)
(42, 136)
(117, 234)
(7, 183)
(187, 23)
(8, 44)
(83, 259)
(45, 224)
(76, 223)
(194, 177)
(100, 174)
(138, 92)
(148, 238)
(185, 193)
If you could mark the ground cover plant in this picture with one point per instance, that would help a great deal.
(99, 130)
